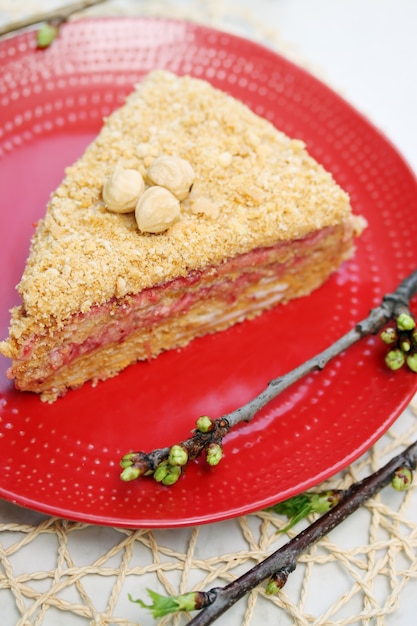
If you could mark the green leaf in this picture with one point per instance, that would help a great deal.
(165, 605)
(301, 506)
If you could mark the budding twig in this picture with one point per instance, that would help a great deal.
(279, 565)
(59, 14)
(391, 307)
(282, 562)
(209, 433)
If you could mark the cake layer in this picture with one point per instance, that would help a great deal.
(98, 344)
(254, 187)
(264, 222)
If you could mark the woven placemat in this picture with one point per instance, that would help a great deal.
(87, 572)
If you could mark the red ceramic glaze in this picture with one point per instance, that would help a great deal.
(63, 459)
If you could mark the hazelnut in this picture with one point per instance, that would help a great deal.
(122, 190)
(157, 209)
(173, 173)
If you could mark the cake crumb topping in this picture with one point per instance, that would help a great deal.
(254, 187)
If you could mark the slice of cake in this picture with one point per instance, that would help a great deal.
(187, 214)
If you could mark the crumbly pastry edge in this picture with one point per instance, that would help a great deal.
(264, 185)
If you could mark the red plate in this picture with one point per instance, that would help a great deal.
(63, 459)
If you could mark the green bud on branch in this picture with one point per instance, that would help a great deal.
(273, 587)
(214, 454)
(205, 424)
(405, 343)
(402, 478)
(130, 473)
(411, 361)
(127, 460)
(172, 476)
(167, 474)
(161, 471)
(277, 581)
(46, 35)
(395, 359)
(178, 455)
(405, 321)
(389, 335)
(134, 465)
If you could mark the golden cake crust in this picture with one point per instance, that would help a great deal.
(254, 186)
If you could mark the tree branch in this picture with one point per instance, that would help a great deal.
(393, 306)
(60, 14)
(284, 560)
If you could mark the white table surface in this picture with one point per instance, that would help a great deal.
(366, 49)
